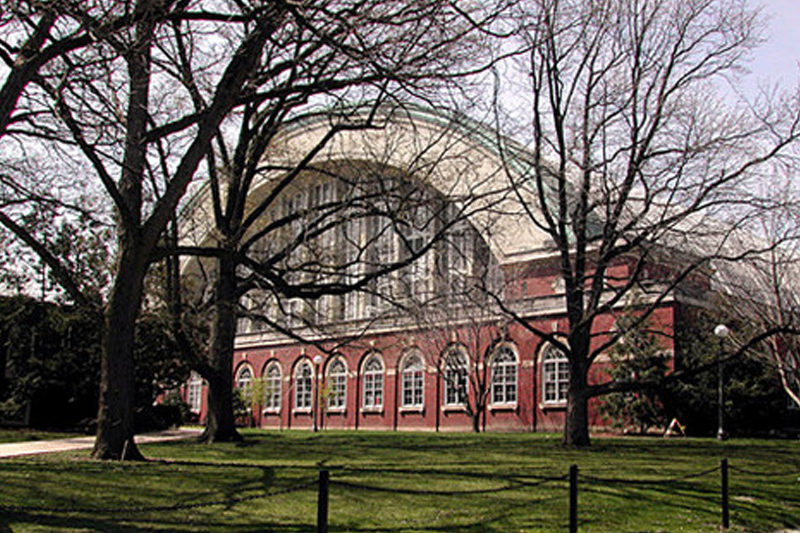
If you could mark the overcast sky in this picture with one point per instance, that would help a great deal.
(777, 60)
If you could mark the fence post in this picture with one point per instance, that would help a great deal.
(724, 482)
(322, 502)
(573, 499)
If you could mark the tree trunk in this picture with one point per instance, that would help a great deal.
(3, 357)
(476, 422)
(220, 426)
(115, 418)
(576, 424)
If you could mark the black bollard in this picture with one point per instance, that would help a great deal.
(724, 482)
(573, 499)
(322, 502)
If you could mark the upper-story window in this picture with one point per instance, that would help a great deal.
(415, 233)
(457, 252)
(555, 375)
(303, 385)
(380, 247)
(504, 376)
(455, 378)
(373, 382)
(272, 386)
(413, 381)
(387, 218)
(322, 195)
(294, 210)
(337, 384)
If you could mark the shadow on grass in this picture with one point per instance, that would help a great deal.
(119, 525)
(417, 464)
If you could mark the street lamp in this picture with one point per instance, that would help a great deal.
(721, 331)
(317, 361)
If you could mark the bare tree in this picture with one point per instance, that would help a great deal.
(109, 106)
(759, 297)
(338, 234)
(36, 35)
(344, 61)
(463, 353)
(631, 153)
(458, 327)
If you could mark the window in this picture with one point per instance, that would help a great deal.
(337, 383)
(294, 209)
(272, 392)
(457, 252)
(380, 251)
(415, 234)
(555, 375)
(302, 385)
(351, 248)
(194, 392)
(504, 376)
(322, 194)
(244, 377)
(413, 381)
(455, 378)
(373, 382)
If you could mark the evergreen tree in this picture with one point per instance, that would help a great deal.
(755, 403)
(637, 357)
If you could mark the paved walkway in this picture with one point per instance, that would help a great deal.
(16, 449)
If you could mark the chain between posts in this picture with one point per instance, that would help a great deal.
(323, 482)
(795, 472)
(659, 481)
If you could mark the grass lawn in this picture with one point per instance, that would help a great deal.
(25, 434)
(409, 482)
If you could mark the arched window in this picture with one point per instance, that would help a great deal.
(303, 389)
(504, 376)
(337, 383)
(272, 387)
(244, 377)
(373, 382)
(413, 381)
(194, 392)
(555, 375)
(455, 378)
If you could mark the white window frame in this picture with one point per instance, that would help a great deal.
(243, 380)
(337, 381)
(372, 383)
(504, 377)
(194, 392)
(352, 241)
(412, 381)
(381, 249)
(555, 376)
(273, 385)
(457, 253)
(416, 278)
(303, 386)
(456, 382)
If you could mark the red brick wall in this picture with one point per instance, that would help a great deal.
(529, 413)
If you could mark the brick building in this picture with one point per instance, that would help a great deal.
(423, 347)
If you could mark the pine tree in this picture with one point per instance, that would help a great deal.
(636, 357)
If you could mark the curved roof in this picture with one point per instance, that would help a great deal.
(461, 159)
